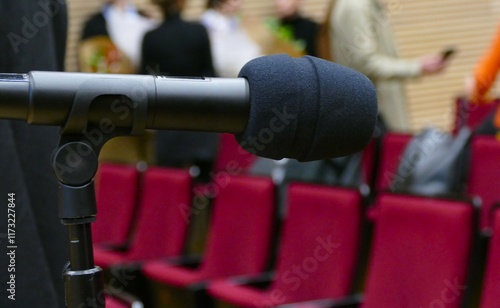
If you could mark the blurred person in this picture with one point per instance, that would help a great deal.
(362, 38)
(119, 22)
(180, 48)
(177, 47)
(296, 36)
(33, 37)
(231, 45)
(111, 43)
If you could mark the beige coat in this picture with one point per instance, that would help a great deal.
(362, 39)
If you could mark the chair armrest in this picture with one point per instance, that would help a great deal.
(261, 280)
(114, 247)
(352, 301)
(190, 261)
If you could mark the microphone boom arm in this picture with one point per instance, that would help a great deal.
(76, 101)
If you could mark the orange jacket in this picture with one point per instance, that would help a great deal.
(487, 70)
(486, 73)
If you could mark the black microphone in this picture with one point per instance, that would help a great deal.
(303, 108)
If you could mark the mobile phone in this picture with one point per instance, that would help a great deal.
(448, 52)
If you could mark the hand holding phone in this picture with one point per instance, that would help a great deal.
(447, 53)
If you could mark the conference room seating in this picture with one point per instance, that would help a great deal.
(318, 251)
(420, 257)
(420, 254)
(161, 225)
(239, 240)
(421, 249)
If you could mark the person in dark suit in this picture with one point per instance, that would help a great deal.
(177, 47)
(33, 37)
(180, 48)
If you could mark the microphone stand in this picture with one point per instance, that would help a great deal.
(75, 163)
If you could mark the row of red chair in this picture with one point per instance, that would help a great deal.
(123, 207)
(416, 264)
(119, 195)
(160, 218)
(421, 247)
(421, 250)
(318, 251)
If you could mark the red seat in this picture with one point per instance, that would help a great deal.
(484, 173)
(471, 115)
(491, 286)
(420, 252)
(239, 235)
(393, 146)
(116, 197)
(317, 254)
(161, 225)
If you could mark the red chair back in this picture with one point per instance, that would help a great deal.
(420, 254)
(116, 197)
(393, 146)
(319, 246)
(241, 229)
(161, 222)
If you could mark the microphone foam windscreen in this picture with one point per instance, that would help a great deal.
(307, 108)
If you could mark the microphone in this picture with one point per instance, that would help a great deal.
(327, 110)
(279, 107)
